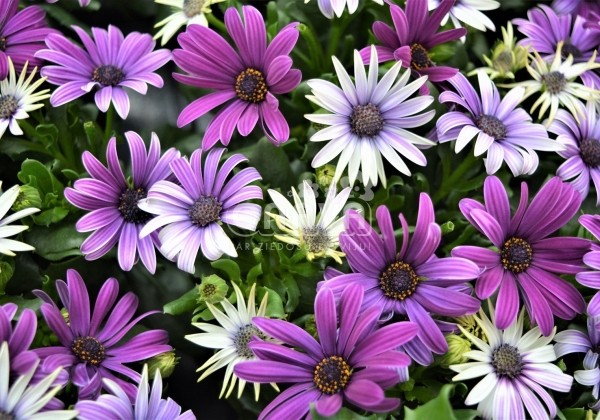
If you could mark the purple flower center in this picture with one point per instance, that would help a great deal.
(589, 149)
(128, 206)
(419, 57)
(516, 255)
(8, 106)
(554, 81)
(507, 361)
(250, 86)
(332, 374)
(192, 8)
(399, 281)
(205, 210)
(88, 349)
(3, 43)
(491, 126)
(570, 49)
(315, 238)
(243, 337)
(108, 75)
(366, 120)
(6, 416)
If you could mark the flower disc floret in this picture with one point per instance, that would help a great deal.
(332, 375)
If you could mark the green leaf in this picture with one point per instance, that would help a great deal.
(36, 174)
(293, 293)
(439, 408)
(184, 304)
(7, 269)
(53, 215)
(254, 273)
(272, 163)
(47, 134)
(229, 267)
(572, 414)
(56, 242)
(22, 303)
(274, 302)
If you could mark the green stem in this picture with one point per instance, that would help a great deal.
(216, 23)
(108, 128)
(314, 47)
(337, 30)
(450, 183)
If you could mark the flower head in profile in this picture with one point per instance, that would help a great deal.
(112, 201)
(244, 81)
(194, 211)
(8, 246)
(526, 260)
(354, 362)
(503, 132)
(91, 343)
(18, 337)
(318, 234)
(507, 57)
(515, 368)
(369, 119)
(108, 63)
(331, 8)
(469, 12)
(591, 278)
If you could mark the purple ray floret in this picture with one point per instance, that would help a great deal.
(19, 337)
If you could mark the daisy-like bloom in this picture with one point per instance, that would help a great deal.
(7, 246)
(413, 37)
(368, 119)
(591, 278)
(503, 132)
(581, 141)
(231, 338)
(92, 347)
(515, 368)
(576, 7)
(246, 80)
(114, 216)
(507, 57)
(409, 280)
(193, 212)
(470, 13)
(109, 62)
(318, 234)
(525, 260)
(183, 12)
(21, 400)
(329, 8)
(354, 364)
(19, 337)
(117, 404)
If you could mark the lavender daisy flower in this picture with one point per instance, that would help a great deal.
(331, 8)
(18, 337)
(245, 81)
(504, 132)
(409, 281)
(92, 348)
(470, 13)
(576, 7)
(354, 364)
(591, 278)
(109, 62)
(117, 404)
(413, 37)
(111, 200)
(526, 261)
(193, 213)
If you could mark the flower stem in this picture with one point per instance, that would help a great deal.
(216, 23)
(108, 128)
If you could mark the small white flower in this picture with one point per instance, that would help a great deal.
(331, 7)
(7, 246)
(184, 12)
(469, 12)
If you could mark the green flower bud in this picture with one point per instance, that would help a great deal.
(470, 325)
(325, 176)
(28, 197)
(213, 289)
(457, 347)
(164, 362)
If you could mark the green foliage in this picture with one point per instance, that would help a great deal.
(440, 407)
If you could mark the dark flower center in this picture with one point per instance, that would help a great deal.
(589, 149)
(491, 126)
(555, 82)
(128, 206)
(3, 43)
(205, 210)
(6, 416)
(250, 86)
(192, 8)
(108, 75)
(507, 361)
(516, 255)
(366, 120)
(570, 49)
(315, 238)
(332, 374)
(399, 281)
(419, 57)
(88, 349)
(8, 106)
(243, 337)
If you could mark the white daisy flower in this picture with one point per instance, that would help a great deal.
(515, 367)
(184, 12)
(7, 246)
(318, 234)
(18, 97)
(231, 338)
(369, 119)
(331, 7)
(469, 12)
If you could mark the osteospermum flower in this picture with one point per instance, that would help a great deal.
(231, 338)
(194, 212)
(515, 368)
(526, 260)
(318, 234)
(407, 281)
(110, 62)
(503, 131)
(183, 12)
(470, 13)
(352, 364)
(7, 246)
(591, 278)
(114, 216)
(329, 8)
(369, 119)
(117, 404)
(91, 342)
(19, 337)
(507, 57)
(246, 80)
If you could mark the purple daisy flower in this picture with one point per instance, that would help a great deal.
(22, 34)
(413, 37)
(410, 281)
(193, 213)
(576, 7)
(526, 261)
(246, 80)
(93, 348)
(504, 132)
(354, 364)
(110, 62)
(112, 201)
(591, 278)
(19, 337)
